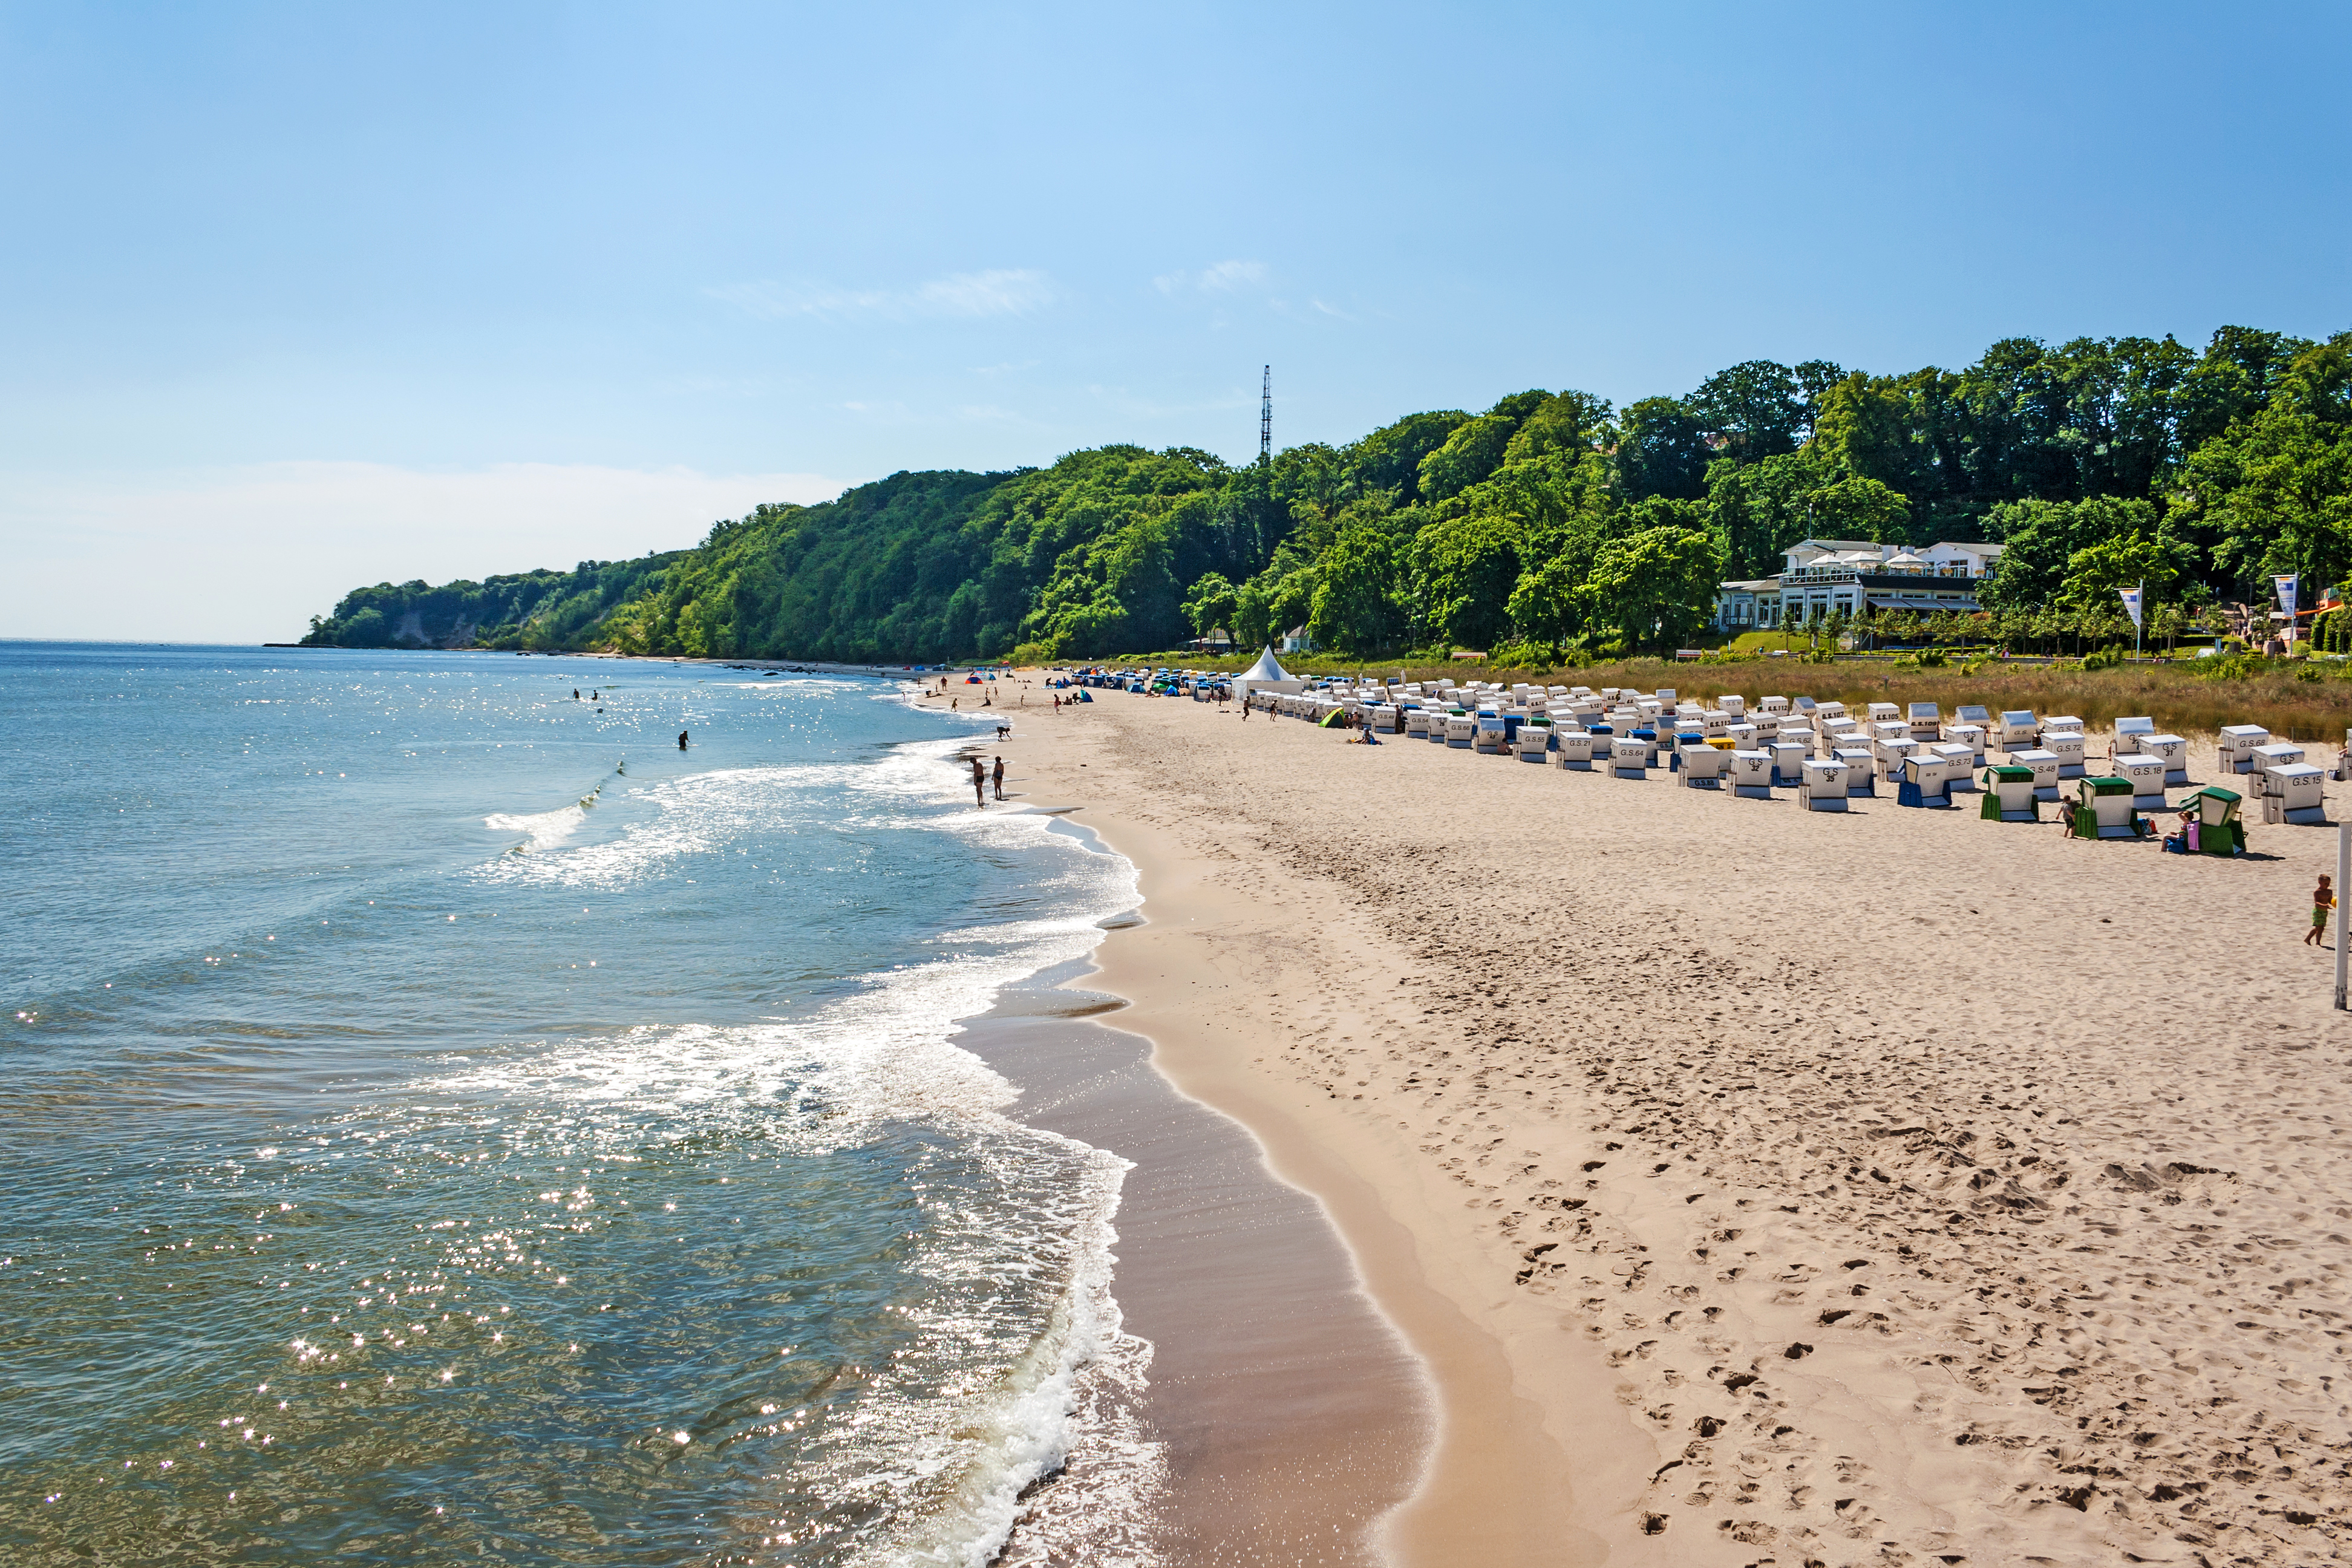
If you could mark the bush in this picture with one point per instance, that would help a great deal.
(1523, 654)
(2235, 666)
(2104, 658)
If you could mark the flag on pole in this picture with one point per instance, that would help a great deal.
(2286, 589)
(2131, 605)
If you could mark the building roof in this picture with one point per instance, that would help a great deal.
(1751, 586)
(1836, 544)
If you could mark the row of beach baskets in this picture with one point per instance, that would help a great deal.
(1828, 758)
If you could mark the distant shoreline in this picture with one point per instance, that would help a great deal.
(784, 666)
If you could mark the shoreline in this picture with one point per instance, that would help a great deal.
(1492, 1484)
(1287, 1415)
(1293, 1417)
(1614, 1091)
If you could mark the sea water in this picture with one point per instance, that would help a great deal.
(445, 1122)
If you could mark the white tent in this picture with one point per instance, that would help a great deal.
(1267, 673)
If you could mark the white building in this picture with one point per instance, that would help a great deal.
(1745, 606)
(1850, 575)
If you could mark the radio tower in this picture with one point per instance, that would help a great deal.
(1266, 420)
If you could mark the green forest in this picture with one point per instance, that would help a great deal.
(1552, 527)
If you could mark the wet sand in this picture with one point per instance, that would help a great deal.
(1293, 1417)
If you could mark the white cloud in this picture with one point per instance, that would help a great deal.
(248, 554)
(1000, 293)
(1217, 277)
(1012, 293)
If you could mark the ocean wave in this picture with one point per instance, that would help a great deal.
(546, 830)
(961, 1478)
(1080, 1388)
(542, 830)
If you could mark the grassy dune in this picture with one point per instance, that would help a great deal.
(2179, 700)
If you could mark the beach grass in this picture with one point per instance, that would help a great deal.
(2297, 700)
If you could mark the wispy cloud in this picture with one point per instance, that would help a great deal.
(1004, 292)
(1217, 277)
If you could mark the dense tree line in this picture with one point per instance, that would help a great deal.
(540, 610)
(1551, 521)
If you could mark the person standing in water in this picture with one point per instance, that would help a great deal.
(998, 778)
(681, 739)
(979, 783)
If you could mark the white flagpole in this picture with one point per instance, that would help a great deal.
(2343, 874)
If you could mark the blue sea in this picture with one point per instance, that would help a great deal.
(448, 1122)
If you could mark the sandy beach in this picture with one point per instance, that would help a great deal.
(1756, 1185)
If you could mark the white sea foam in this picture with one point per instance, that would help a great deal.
(884, 1054)
(542, 830)
(1080, 1388)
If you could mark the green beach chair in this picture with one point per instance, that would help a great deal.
(2220, 830)
(2009, 795)
(2103, 809)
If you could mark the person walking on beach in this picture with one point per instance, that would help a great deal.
(979, 783)
(2322, 899)
(997, 778)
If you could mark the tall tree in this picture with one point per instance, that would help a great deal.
(1657, 586)
(1663, 450)
(1466, 568)
(2275, 489)
(1755, 410)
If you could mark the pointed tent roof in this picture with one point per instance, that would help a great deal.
(1265, 669)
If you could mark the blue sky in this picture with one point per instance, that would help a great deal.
(296, 296)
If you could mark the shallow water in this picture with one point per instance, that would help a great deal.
(446, 1121)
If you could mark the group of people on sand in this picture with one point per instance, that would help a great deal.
(982, 776)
